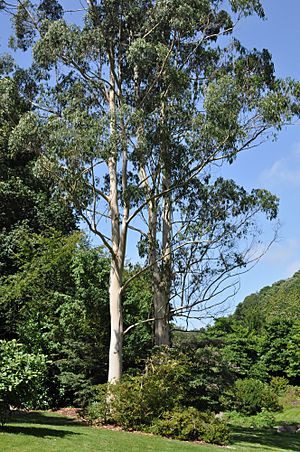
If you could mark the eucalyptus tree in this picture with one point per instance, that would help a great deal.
(137, 101)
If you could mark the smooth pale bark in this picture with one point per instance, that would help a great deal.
(118, 240)
(116, 325)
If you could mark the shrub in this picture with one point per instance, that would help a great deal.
(129, 406)
(250, 396)
(264, 419)
(210, 371)
(137, 400)
(98, 409)
(20, 375)
(4, 411)
(189, 424)
(279, 385)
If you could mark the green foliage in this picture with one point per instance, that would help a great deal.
(23, 195)
(137, 308)
(21, 374)
(264, 419)
(189, 424)
(263, 350)
(293, 353)
(163, 398)
(240, 346)
(166, 88)
(137, 400)
(4, 410)
(192, 79)
(291, 395)
(280, 353)
(130, 406)
(279, 301)
(209, 371)
(98, 409)
(156, 401)
(27, 202)
(279, 385)
(251, 396)
(57, 303)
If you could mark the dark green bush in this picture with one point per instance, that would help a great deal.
(189, 424)
(4, 411)
(210, 371)
(251, 396)
(137, 400)
(138, 403)
(129, 405)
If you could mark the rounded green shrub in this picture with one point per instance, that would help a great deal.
(137, 400)
(189, 424)
(250, 396)
(279, 385)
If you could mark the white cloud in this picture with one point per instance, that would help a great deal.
(286, 170)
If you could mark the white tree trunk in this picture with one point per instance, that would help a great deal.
(116, 325)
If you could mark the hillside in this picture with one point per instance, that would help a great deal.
(280, 300)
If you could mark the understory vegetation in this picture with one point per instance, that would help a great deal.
(233, 372)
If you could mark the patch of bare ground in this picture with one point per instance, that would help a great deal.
(68, 412)
(73, 413)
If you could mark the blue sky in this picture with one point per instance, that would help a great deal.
(274, 165)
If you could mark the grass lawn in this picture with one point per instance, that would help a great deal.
(43, 431)
(290, 414)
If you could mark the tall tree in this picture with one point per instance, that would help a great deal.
(139, 100)
(26, 201)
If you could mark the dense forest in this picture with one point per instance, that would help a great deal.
(116, 127)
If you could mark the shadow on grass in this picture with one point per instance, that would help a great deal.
(266, 437)
(38, 425)
(42, 418)
(39, 432)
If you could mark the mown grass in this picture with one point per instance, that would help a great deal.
(290, 415)
(43, 431)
